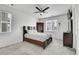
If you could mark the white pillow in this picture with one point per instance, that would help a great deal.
(32, 31)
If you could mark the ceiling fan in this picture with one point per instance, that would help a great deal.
(41, 10)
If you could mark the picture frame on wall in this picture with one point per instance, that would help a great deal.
(31, 27)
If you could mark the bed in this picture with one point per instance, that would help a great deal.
(40, 39)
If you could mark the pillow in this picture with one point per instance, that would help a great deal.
(32, 31)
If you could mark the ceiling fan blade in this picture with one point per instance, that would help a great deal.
(45, 9)
(38, 8)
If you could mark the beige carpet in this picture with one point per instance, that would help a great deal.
(25, 48)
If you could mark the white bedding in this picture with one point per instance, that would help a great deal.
(37, 36)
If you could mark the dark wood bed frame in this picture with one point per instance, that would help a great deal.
(39, 43)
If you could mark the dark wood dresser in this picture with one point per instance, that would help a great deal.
(68, 39)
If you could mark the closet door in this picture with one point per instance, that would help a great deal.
(40, 27)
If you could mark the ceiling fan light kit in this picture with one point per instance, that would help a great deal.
(41, 11)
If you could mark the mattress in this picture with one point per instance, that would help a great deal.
(37, 36)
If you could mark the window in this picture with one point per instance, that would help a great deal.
(51, 25)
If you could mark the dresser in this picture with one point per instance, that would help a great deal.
(68, 39)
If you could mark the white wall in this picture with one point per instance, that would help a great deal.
(74, 17)
(77, 26)
(18, 20)
(62, 28)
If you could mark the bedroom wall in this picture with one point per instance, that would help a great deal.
(77, 30)
(18, 20)
(64, 25)
(58, 34)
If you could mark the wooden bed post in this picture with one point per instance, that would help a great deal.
(23, 33)
(47, 42)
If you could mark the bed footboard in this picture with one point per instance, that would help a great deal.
(47, 42)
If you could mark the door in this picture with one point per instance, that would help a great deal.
(40, 27)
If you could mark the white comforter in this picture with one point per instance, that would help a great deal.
(38, 36)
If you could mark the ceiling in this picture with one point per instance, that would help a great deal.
(55, 9)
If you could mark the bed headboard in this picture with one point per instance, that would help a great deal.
(24, 31)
